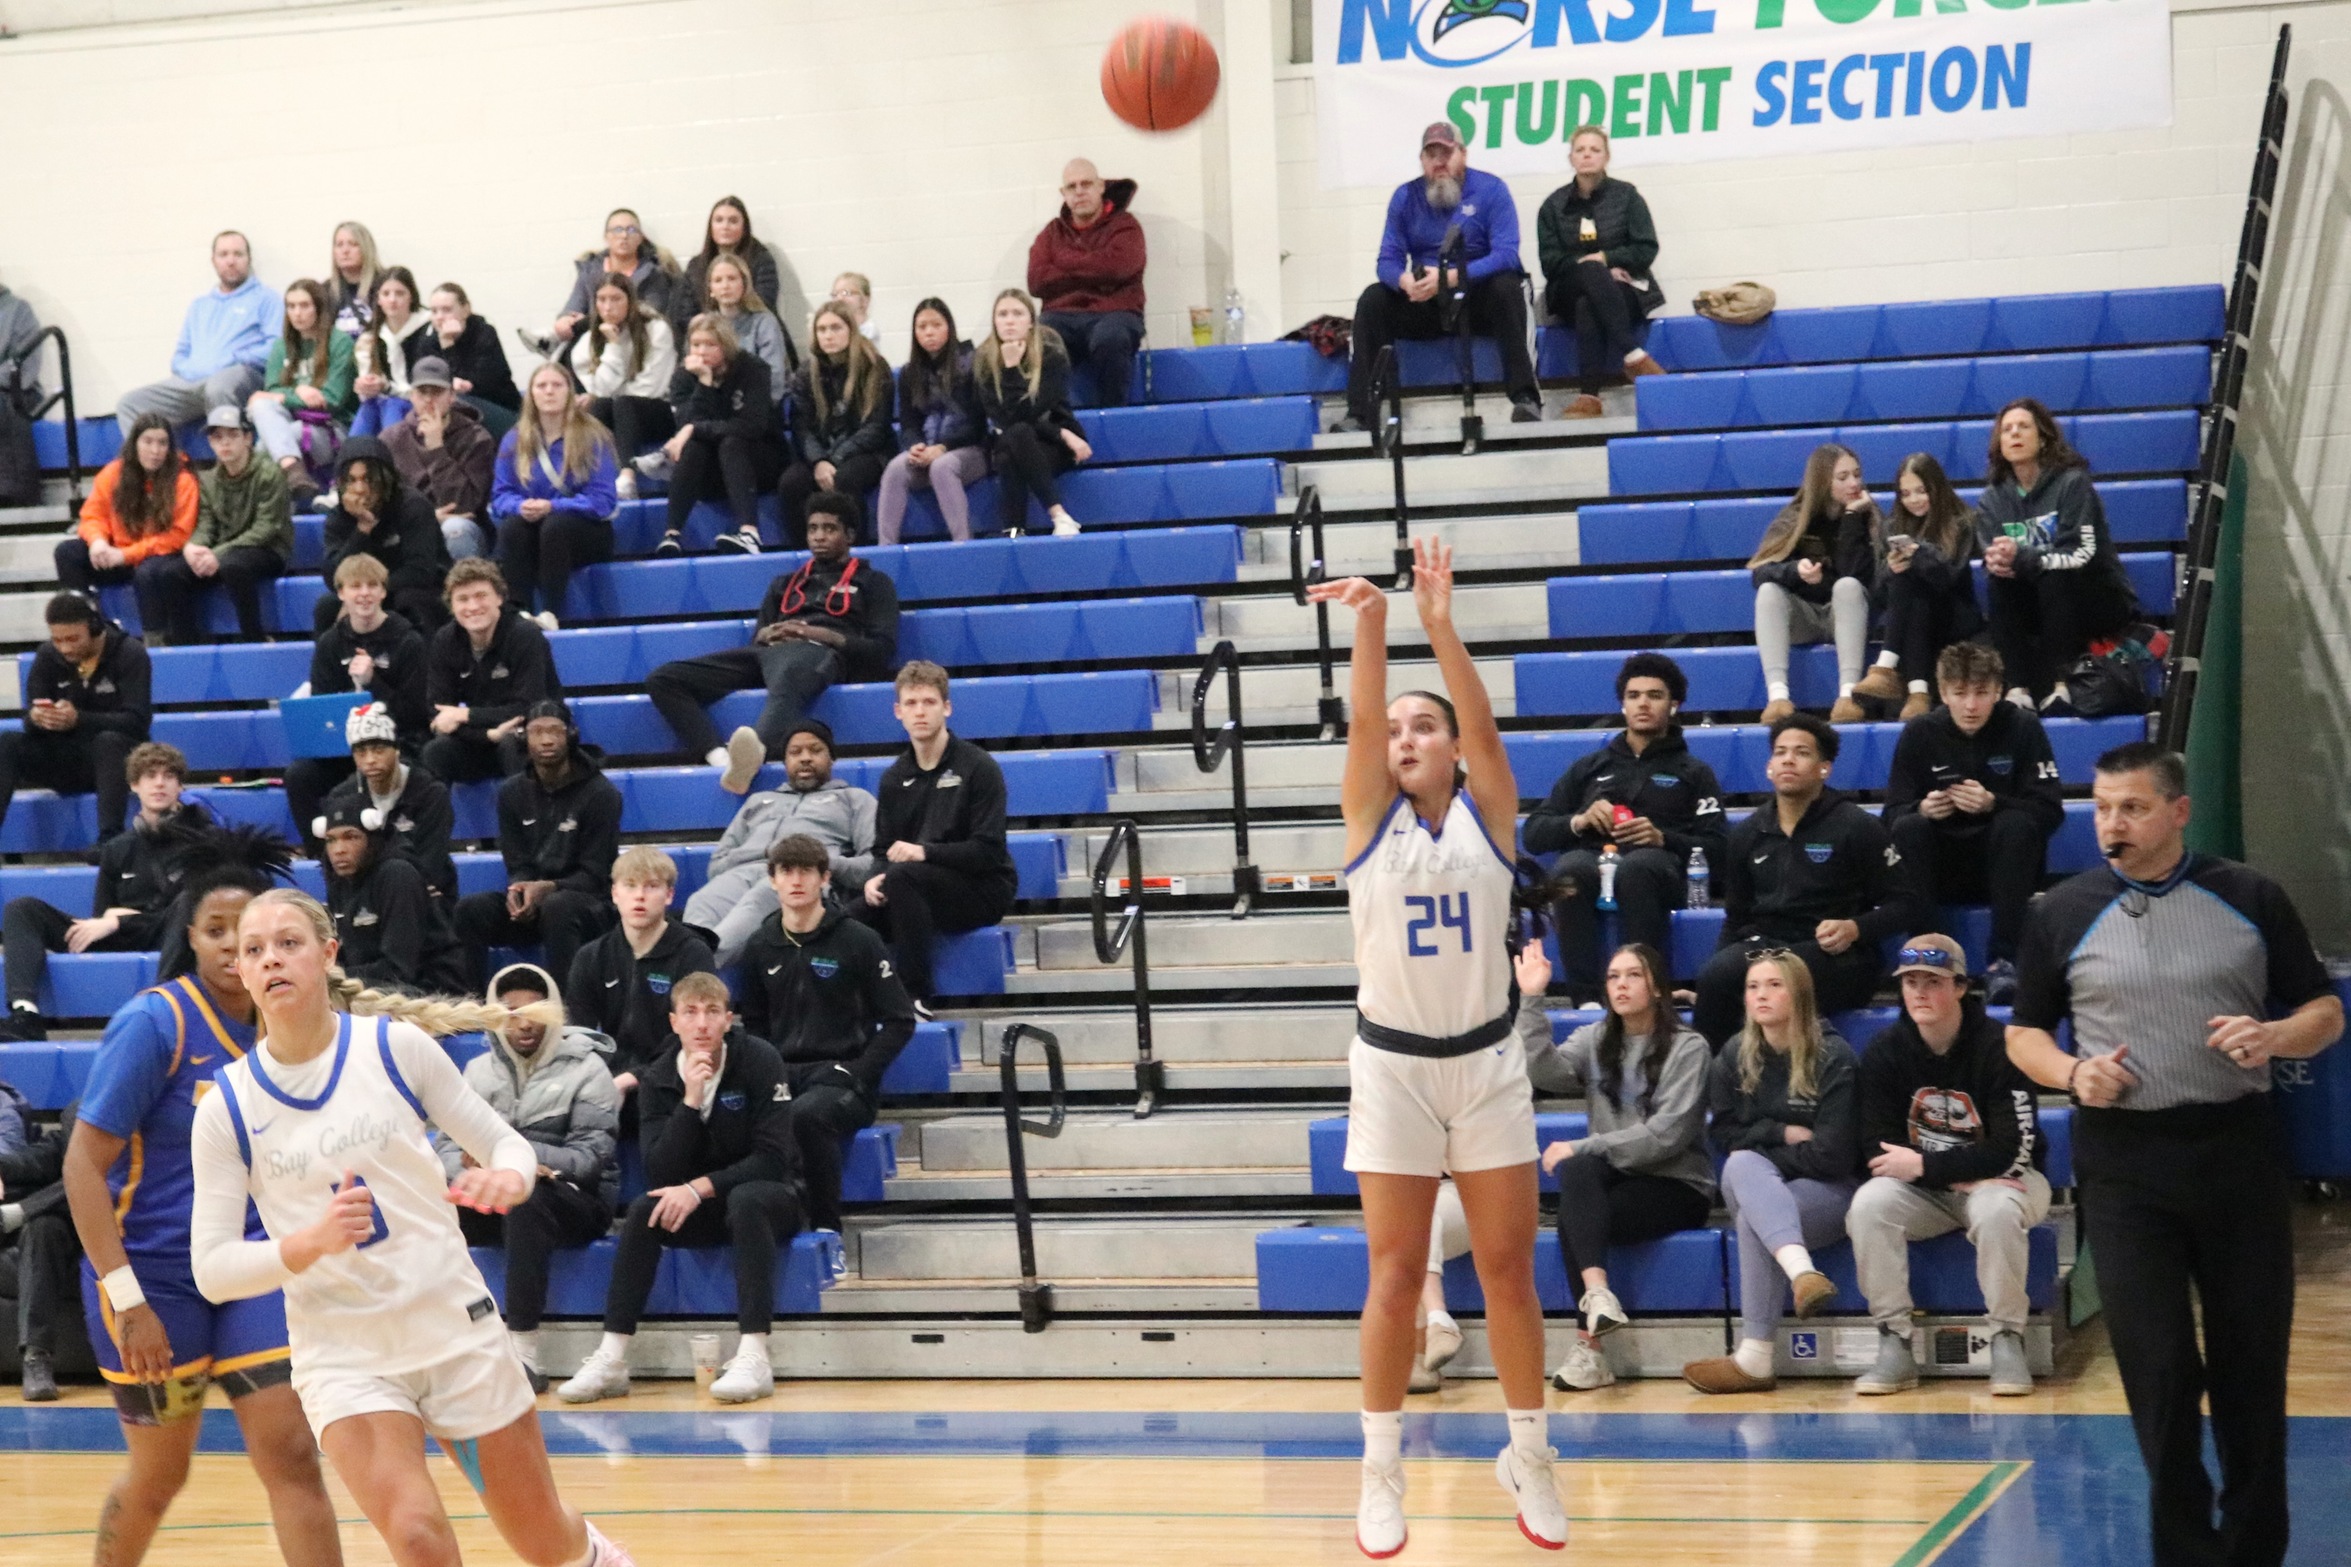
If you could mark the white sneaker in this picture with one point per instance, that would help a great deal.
(654, 464)
(1064, 526)
(1444, 1342)
(603, 1376)
(1527, 1477)
(603, 1553)
(625, 484)
(547, 621)
(746, 754)
(1583, 1369)
(1603, 1312)
(1379, 1516)
(748, 1376)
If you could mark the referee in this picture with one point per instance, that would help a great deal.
(2170, 965)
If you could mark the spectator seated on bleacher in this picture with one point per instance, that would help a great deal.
(1598, 245)
(1813, 575)
(20, 355)
(1638, 1173)
(1436, 1336)
(736, 300)
(224, 342)
(629, 252)
(387, 352)
(736, 896)
(1407, 295)
(478, 372)
(619, 984)
(819, 986)
(835, 618)
(414, 805)
(1929, 584)
(715, 1124)
(1809, 871)
(244, 535)
(725, 443)
(1783, 1106)
(40, 1253)
(1020, 373)
(1669, 804)
(140, 514)
(130, 908)
(553, 494)
(306, 399)
(940, 421)
(840, 435)
(727, 232)
(445, 454)
(353, 266)
(547, 1080)
(87, 704)
(942, 866)
(853, 292)
(1972, 800)
(625, 358)
(395, 934)
(366, 648)
(558, 832)
(483, 671)
(375, 514)
(1951, 1136)
(2056, 583)
(1086, 271)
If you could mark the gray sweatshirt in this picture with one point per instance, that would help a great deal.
(1664, 1141)
(833, 813)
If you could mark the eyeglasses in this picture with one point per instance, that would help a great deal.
(1924, 957)
(623, 231)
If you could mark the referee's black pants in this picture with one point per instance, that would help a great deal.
(2198, 1198)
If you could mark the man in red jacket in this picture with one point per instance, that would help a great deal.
(1086, 269)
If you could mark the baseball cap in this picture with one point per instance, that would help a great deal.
(429, 371)
(1931, 954)
(228, 416)
(1440, 133)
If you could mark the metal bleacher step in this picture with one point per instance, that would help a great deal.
(855, 1297)
(1203, 855)
(1488, 542)
(1509, 612)
(1271, 952)
(1222, 1246)
(1104, 1156)
(1285, 694)
(1433, 417)
(1258, 1048)
(1539, 474)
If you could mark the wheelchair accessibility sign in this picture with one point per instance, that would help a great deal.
(1804, 1346)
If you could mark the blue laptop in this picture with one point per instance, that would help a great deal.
(314, 724)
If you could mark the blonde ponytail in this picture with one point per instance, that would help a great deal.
(439, 1016)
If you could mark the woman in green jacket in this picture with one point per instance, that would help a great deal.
(306, 399)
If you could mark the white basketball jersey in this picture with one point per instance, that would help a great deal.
(1431, 915)
(409, 1296)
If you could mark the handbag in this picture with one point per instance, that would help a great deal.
(2120, 678)
(322, 442)
(1739, 304)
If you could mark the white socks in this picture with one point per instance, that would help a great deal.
(1754, 1356)
(1527, 1431)
(1383, 1438)
(616, 1345)
(1777, 691)
(1918, 688)
(526, 1345)
(1446, 1317)
(752, 1344)
(1889, 659)
(1845, 691)
(1793, 1260)
(717, 757)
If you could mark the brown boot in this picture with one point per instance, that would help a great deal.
(1847, 711)
(1775, 710)
(1641, 364)
(1813, 1293)
(1880, 685)
(1722, 1374)
(1584, 407)
(1916, 705)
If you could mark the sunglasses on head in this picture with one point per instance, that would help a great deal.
(1924, 957)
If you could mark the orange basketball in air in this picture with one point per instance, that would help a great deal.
(1159, 74)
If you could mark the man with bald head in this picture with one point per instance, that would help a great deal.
(1086, 269)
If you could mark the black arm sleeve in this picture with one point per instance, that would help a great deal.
(513, 846)
(870, 651)
(1637, 251)
(1891, 905)
(406, 911)
(531, 663)
(1884, 1097)
(2044, 990)
(2040, 793)
(1734, 883)
(771, 1156)
(1828, 1155)
(2296, 976)
(889, 1017)
(583, 994)
(1706, 828)
(672, 1138)
(1906, 783)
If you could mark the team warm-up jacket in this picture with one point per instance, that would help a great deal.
(2010, 756)
(849, 596)
(747, 1136)
(393, 930)
(115, 696)
(2059, 525)
(955, 811)
(1759, 1121)
(418, 828)
(497, 683)
(1840, 864)
(569, 835)
(140, 870)
(829, 999)
(1665, 783)
(1969, 1112)
(626, 997)
(398, 681)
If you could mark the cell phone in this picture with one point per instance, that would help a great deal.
(1900, 541)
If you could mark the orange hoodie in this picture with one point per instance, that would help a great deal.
(100, 525)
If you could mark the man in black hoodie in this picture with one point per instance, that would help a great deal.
(1952, 1137)
(1809, 871)
(375, 514)
(86, 704)
(836, 618)
(418, 819)
(715, 1124)
(558, 831)
(619, 984)
(943, 865)
(821, 987)
(1644, 792)
(138, 881)
(485, 669)
(371, 649)
(1972, 800)
(394, 934)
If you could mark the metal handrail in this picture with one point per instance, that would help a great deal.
(1150, 1077)
(1453, 315)
(1387, 435)
(1036, 1299)
(1208, 756)
(2193, 604)
(64, 394)
(1329, 711)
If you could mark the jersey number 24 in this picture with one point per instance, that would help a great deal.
(1431, 918)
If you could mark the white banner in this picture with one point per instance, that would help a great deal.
(1685, 81)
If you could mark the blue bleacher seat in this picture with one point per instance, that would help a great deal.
(2177, 376)
(1328, 1269)
(693, 1281)
(1180, 432)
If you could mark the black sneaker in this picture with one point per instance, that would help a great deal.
(23, 1026)
(670, 545)
(741, 542)
(40, 1377)
(1526, 410)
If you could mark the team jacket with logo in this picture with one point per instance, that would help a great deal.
(955, 811)
(418, 827)
(394, 933)
(1665, 783)
(1969, 1112)
(497, 683)
(569, 835)
(397, 651)
(617, 993)
(113, 694)
(2010, 756)
(829, 999)
(747, 1135)
(1840, 864)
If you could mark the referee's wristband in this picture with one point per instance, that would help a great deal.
(122, 1289)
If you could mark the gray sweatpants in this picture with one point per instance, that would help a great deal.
(1888, 1215)
(733, 903)
(1783, 619)
(185, 402)
(1770, 1211)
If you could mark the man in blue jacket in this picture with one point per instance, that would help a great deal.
(223, 347)
(1406, 299)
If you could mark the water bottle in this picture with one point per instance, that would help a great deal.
(1608, 879)
(1236, 317)
(1701, 881)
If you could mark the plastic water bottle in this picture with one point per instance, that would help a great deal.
(1701, 881)
(1236, 317)
(1608, 878)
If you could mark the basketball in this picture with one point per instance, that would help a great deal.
(1159, 74)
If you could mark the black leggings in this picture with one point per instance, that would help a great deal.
(635, 422)
(544, 554)
(1922, 620)
(1028, 463)
(557, 1215)
(2042, 624)
(1602, 1206)
(739, 467)
(755, 1219)
(851, 476)
(1603, 309)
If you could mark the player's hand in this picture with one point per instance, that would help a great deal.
(1534, 969)
(1432, 581)
(1557, 1152)
(672, 1206)
(145, 1346)
(2245, 1041)
(349, 1219)
(1641, 833)
(1835, 936)
(2100, 1081)
(488, 1191)
(1353, 593)
(1899, 1162)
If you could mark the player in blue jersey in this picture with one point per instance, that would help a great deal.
(160, 1344)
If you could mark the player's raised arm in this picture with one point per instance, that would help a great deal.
(1367, 788)
(1490, 784)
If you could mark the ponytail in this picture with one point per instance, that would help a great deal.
(439, 1016)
